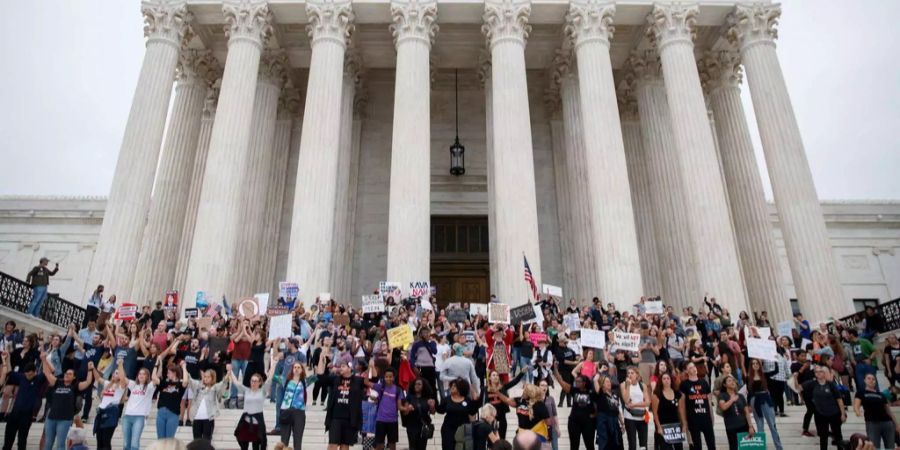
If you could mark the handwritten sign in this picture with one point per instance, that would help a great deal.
(555, 291)
(389, 289)
(537, 338)
(520, 314)
(127, 312)
(498, 313)
(763, 349)
(419, 289)
(478, 308)
(325, 296)
(572, 321)
(785, 328)
(400, 337)
(672, 433)
(653, 307)
(191, 313)
(280, 327)
(593, 338)
(763, 332)
(625, 341)
(372, 304)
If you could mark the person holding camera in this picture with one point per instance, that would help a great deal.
(39, 279)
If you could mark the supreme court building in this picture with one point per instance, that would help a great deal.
(310, 141)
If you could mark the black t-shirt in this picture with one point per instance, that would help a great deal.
(873, 404)
(582, 404)
(170, 394)
(342, 400)
(157, 316)
(62, 400)
(696, 394)
(608, 404)
(562, 355)
(802, 377)
(539, 413)
(734, 416)
(824, 398)
(192, 362)
(668, 409)
(526, 349)
(480, 432)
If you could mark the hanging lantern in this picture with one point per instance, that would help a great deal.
(457, 150)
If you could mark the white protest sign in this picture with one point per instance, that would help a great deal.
(372, 304)
(426, 304)
(764, 332)
(389, 289)
(262, 299)
(555, 291)
(478, 308)
(538, 316)
(325, 296)
(626, 341)
(572, 321)
(593, 338)
(419, 289)
(498, 313)
(280, 326)
(785, 328)
(761, 349)
(654, 307)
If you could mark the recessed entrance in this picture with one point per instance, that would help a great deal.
(460, 266)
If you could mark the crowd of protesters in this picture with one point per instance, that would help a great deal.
(690, 370)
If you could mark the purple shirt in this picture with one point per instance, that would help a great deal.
(387, 402)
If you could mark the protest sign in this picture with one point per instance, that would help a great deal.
(426, 304)
(325, 296)
(764, 332)
(653, 307)
(262, 299)
(757, 442)
(763, 349)
(785, 328)
(498, 313)
(538, 316)
(126, 311)
(672, 433)
(273, 311)
(555, 291)
(470, 340)
(204, 323)
(171, 301)
(341, 319)
(372, 304)
(572, 321)
(280, 326)
(400, 337)
(248, 307)
(593, 338)
(201, 299)
(625, 341)
(288, 290)
(389, 289)
(536, 338)
(804, 343)
(457, 316)
(478, 308)
(520, 314)
(191, 313)
(419, 289)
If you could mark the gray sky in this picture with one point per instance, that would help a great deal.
(71, 68)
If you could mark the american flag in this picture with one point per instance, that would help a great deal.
(529, 278)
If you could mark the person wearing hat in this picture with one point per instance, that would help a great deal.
(39, 279)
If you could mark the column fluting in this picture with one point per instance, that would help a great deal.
(339, 267)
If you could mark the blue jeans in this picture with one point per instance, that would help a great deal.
(525, 364)
(58, 431)
(768, 413)
(166, 423)
(38, 295)
(278, 388)
(132, 428)
(238, 367)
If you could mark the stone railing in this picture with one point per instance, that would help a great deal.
(16, 294)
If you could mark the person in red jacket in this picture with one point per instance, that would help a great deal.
(499, 339)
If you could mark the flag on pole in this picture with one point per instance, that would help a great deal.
(529, 278)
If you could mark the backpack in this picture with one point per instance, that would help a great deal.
(464, 437)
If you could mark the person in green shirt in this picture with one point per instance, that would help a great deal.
(864, 357)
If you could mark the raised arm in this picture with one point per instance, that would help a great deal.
(89, 381)
(156, 369)
(48, 369)
(120, 368)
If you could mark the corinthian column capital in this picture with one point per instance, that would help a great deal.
(273, 67)
(414, 20)
(329, 20)
(197, 66)
(212, 98)
(753, 23)
(645, 65)
(720, 69)
(590, 21)
(248, 20)
(506, 20)
(166, 21)
(671, 23)
(353, 66)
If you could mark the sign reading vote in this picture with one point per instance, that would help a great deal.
(521, 314)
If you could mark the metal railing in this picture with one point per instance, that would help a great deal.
(16, 294)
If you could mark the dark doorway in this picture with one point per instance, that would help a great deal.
(460, 266)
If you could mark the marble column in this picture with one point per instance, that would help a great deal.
(119, 244)
(352, 70)
(759, 259)
(673, 239)
(717, 264)
(288, 108)
(576, 179)
(196, 69)
(257, 174)
(506, 27)
(813, 267)
(563, 213)
(409, 220)
(287, 204)
(484, 75)
(359, 108)
(312, 225)
(639, 179)
(615, 246)
(219, 214)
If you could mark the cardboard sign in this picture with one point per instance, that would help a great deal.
(248, 307)
(764, 332)
(572, 321)
(171, 301)
(126, 312)
(625, 341)
(288, 291)
(536, 338)
(280, 326)
(372, 304)
(653, 307)
(520, 314)
(204, 323)
(555, 291)
(191, 313)
(763, 349)
(400, 337)
(498, 313)
(457, 316)
(201, 299)
(478, 308)
(419, 289)
(785, 328)
(672, 433)
(757, 442)
(341, 320)
(389, 289)
(593, 338)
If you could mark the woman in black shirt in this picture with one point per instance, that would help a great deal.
(493, 388)
(456, 408)
(610, 423)
(61, 403)
(416, 410)
(665, 401)
(735, 411)
(171, 391)
(583, 416)
(880, 421)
